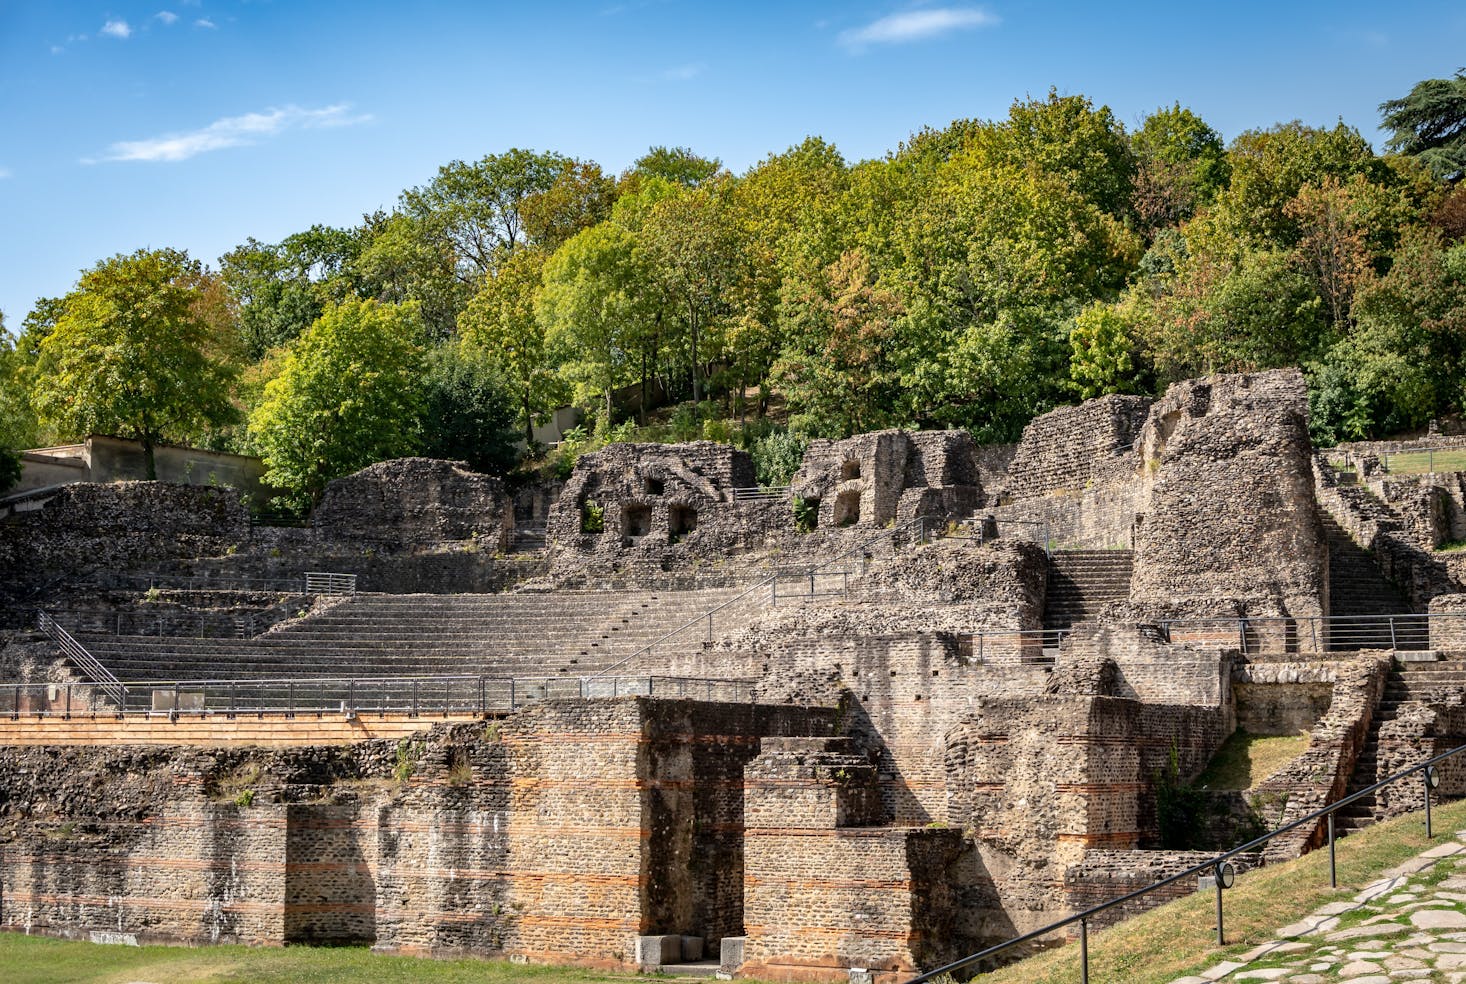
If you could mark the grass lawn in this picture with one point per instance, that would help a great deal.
(1418, 462)
(1245, 760)
(1179, 939)
(38, 960)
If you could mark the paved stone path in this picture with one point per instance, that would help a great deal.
(1409, 925)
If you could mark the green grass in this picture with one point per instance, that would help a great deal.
(1420, 462)
(1245, 760)
(39, 960)
(1179, 939)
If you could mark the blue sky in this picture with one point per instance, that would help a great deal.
(197, 124)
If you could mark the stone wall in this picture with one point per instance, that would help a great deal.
(1321, 774)
(1090, 761)
(86, 529)
(826, 892)
(1448, 622)
(660, 506)
(1230, 509)
(1069, 448)
(102, 459)
(890, 476)
(415, 502)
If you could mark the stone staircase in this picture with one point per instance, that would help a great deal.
(1407, 681)
(1360, 595)
(530, 634)
(1081, 582)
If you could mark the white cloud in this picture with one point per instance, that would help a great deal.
(4, 173)
(231, 131)
(166, 16)
(682, 73)
(205, 22)
(118, 29)
(917, 25)
(56, 49)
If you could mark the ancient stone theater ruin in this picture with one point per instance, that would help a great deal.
(927, 698)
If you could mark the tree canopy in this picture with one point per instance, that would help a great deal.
(1430, 123)
(133, 352)
(978, 274)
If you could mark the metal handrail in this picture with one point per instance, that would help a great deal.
(771, 580)
(84, 660)
(326, 583)
(349, 695)
(1213, 864)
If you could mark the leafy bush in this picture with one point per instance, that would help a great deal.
(592, 517)
(777, 457)
(806, 514)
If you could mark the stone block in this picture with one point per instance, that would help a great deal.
(655, 951)
(692, 949)
(730, 954)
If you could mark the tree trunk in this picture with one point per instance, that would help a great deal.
(528, 422)
(150, 462)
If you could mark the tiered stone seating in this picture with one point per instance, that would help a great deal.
(561, 632)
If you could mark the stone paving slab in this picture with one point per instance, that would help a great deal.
(1409, 925)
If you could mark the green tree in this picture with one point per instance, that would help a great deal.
(501, 321)
(678, 165)
(282, 288)
(477, 210)
(692, 248)
(581, 197)
(349, 394)
(1269, 167)
(1103, 353)
(839, 369)
(130, 354)
(1181, 164)
(402, 262)
(1064, 136)
(1430, 123)
(593, 303)
(14, 411)
(468, 414)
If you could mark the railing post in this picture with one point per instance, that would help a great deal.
(1393, 643)
(511, 693)
(1217, 877)
(415, 682)
(68, 702)
(1084, 951)
(1432, 778)
(1333, 871)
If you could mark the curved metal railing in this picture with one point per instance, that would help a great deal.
(1216, 865)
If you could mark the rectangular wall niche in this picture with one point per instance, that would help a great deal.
(847, 508)
(636, 521)
(681, 520)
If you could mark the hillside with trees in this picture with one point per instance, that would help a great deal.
(973, 277)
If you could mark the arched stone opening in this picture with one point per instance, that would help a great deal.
(847, 508)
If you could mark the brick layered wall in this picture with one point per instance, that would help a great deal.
(824, 893)
(561, 833)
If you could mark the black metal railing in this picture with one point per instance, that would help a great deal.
(102, 678)
(414, 695)
(1219, 867)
